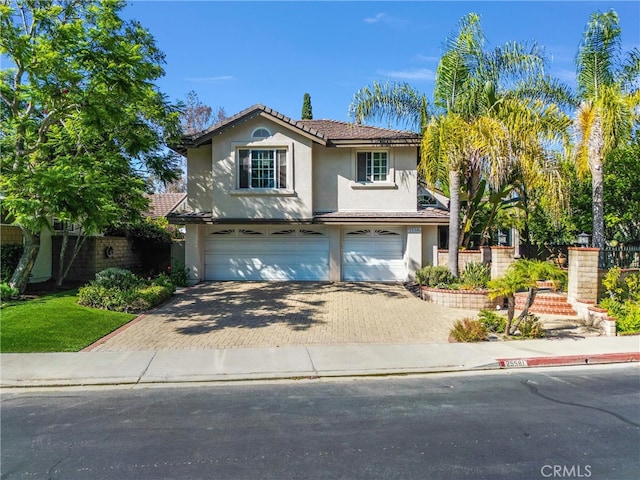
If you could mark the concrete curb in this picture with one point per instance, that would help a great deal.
(568, 360)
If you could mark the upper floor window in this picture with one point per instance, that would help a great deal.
(372, 167)
(261, 133)
(263, 168)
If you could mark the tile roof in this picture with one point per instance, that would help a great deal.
(426, 215)
(325, 132)
(422, 215)
(161, 204)
(336, 130)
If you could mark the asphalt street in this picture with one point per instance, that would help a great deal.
(577, 422)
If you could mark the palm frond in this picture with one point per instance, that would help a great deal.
(598, 53)
(390, 101)
(629, 77)
(463, 51)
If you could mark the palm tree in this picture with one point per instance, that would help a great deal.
(471, 134)
(609, 96)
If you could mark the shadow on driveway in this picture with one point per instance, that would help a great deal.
(211, 307)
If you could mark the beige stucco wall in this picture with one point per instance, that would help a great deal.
(213, 176)
(413, 252)
(334, 173)
(194, 252)
(429, 240)
(199, 179)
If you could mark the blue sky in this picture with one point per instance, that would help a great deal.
(236, 54)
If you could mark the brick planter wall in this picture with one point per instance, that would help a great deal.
(465, 256)
(501, 258)
(467, 299)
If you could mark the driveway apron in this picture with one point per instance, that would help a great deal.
(272, 314)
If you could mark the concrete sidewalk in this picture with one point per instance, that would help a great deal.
(312, 361)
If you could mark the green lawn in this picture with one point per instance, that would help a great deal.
(54, 323)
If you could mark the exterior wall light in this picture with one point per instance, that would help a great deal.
(583, 239)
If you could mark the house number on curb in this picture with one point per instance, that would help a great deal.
(520, 362)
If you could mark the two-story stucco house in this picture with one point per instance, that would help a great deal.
(271, 198)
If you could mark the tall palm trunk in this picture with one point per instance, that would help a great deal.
(596, 147)
(597, 181)
(454, 220)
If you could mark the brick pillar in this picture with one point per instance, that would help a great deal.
(501, 258)
(583, 274)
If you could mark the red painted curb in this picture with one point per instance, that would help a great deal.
(569, 360)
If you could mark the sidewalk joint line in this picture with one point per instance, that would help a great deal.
(313, 367)
(146, 368)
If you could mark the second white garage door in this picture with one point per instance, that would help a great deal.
(373, 254)
(267, 253)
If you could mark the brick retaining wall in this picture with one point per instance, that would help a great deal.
(468, 299)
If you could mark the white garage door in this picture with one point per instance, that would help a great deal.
(267, 253)
(373, 254)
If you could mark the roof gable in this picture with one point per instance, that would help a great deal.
(323, 132)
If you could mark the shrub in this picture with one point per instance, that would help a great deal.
(149, 235)
(180, 275)
(627, 314)
(492, 321)
(432, 276)
(117, 278)
(155, 294)
(7, 292)
(475, 275)
(531, 327)
(9, 258)
(120, 290)
(165, 281)
(468, 330)
(97, 296)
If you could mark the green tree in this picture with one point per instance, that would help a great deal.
(307, 112)
(80, 111)
(609, 98)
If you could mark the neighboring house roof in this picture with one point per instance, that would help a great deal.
(162, 204)
(324, 132)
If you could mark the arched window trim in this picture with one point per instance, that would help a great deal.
(259, 133)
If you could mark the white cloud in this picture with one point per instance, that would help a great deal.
(221, 78)
(378, 18)
(419, 74)
(384, 19)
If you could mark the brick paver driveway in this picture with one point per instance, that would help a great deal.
(270, 314)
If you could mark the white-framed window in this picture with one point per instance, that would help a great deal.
(264, 168)
(372, 166)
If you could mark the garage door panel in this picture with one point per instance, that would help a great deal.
(241, 254)
(373, 255)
